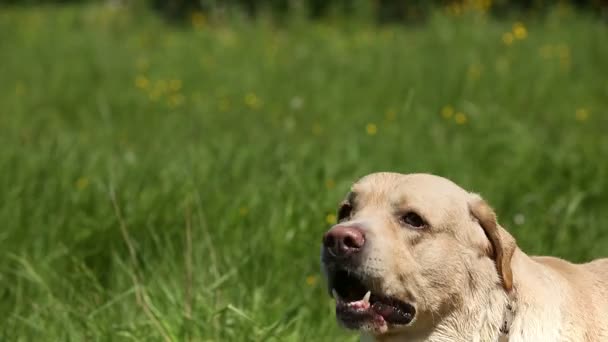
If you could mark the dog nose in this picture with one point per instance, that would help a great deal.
(343, 241)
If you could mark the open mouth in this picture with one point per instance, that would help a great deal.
(358, 307)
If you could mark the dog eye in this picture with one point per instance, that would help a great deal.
(344, 211)
(413, 220)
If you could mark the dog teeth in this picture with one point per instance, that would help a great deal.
(366, 297)
(362, 304)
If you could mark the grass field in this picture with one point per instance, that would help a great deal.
(173, 183)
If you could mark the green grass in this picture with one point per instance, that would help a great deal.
(172, 183)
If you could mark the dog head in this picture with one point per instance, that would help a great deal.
(408, 249)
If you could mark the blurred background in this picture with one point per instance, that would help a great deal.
(167, 168)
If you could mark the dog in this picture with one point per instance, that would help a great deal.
(414, 257)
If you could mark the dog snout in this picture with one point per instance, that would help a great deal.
(344, 241)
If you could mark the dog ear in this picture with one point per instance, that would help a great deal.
(503, 244)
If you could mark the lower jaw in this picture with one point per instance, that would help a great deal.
(366, 317)
(372, 326)
(367, 321)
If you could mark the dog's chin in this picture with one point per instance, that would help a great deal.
(367, 309)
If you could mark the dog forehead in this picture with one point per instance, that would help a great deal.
(393, 187)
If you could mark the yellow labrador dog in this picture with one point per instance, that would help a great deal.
(417, 258)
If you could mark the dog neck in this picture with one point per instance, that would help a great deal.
(486, 313)
(537, 310)
(487, 317)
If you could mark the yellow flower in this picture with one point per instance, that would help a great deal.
(82, 183)
(460, 118)
(154, 95)
(20, 88)
(142, 64)
(227, 37)
(546, 51)
(224, 105)
(330, 219)
(447, 112)
(142, 82)
(317, 129)
(207, 62)
(519, 31)
(507, 38)
(483, 5)
(160, 86)
(243, 211)
(582, 114)
(454, 9)
(311, 280)
(330, 184)
(391, 114)
(175, 100)
(474, 72)
(564, 55)
(388, 33)
(175, 85)
(198, 20)
(563, 51)
(371, 129)
(252, 101)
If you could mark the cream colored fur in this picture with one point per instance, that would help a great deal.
(461, 270)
